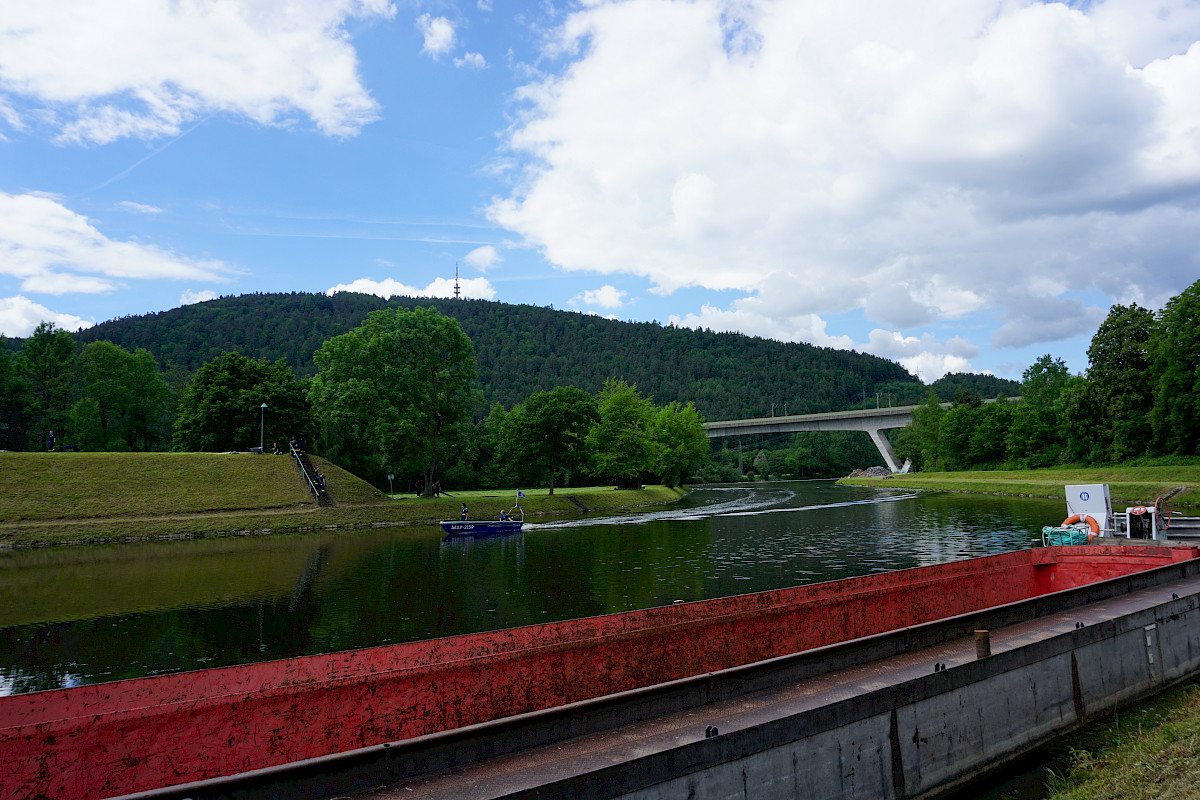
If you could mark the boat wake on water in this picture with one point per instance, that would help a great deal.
(870, 502)
(754, 503)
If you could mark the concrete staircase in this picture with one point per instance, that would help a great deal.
(310, 477)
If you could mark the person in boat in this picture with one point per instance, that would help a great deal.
(503, 515)
(462, 515)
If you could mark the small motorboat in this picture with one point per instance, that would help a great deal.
(510, 521)
(480, 527)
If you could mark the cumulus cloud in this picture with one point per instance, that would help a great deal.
(188, 297)
(54, 250)
(19, 316)
(145, 71)
(606, 296)
(438, 33)
(919, 161)
(473, 60)
(483, 258)
(469, 288)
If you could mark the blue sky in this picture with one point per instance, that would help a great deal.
(955, 186)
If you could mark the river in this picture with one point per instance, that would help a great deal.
(74, 615)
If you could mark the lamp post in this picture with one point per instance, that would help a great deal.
(262, 423)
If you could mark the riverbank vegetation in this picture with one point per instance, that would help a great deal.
(1128, 485)
(1144, 751)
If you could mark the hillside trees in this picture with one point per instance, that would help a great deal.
(391, 394)
(221, 408)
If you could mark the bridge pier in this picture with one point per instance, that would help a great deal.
(885, 448)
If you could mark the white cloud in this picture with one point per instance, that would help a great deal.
(808, 328)
(139, 208)
(483, 258)
(19, 316)
(54, 250)
(438, 33)
(469, 288)
(606, 296)
(473, 60)
(920, 161)
(923, 356)
(107, 70)
(188, 297)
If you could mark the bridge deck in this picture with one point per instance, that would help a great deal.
(599, 760)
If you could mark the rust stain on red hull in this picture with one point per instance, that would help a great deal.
(127, 736)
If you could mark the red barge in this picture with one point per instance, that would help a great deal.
(112, 739)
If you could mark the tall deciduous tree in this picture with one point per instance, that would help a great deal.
(124, 399)
(222, 409)
(621, 444)
(548, 432)
(1121, 381)
(14, 402)
(681, 444)
(47, 361)
(1175, 415)
(393, 392)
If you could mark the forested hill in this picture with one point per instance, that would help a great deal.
(523, 349)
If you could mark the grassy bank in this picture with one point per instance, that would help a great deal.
(1144, 751)
(79, 498)
(1127, 485)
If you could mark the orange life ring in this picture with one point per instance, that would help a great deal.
(1091, 522)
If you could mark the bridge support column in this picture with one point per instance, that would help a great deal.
(885, 448)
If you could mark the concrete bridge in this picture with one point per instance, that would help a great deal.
(872, 420)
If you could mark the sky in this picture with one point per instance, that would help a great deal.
(956, 185)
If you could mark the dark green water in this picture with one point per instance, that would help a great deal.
(86, 614)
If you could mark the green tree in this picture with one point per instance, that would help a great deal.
(620, 442)
(548, 432)
(47, 362)
(988, 444)
(926, 431)
(124, 399)
(1041, 382)
(1122, 384)
(14, 402)
(1082, 426)
(221, 408)
(681, 443)
(1175, 414)
(394, 392)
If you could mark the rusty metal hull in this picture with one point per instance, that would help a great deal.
(127, 736)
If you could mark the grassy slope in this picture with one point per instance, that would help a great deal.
(48, 498)
(1127, 485)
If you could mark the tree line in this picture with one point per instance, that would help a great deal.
(1138, 398)
(393, 399)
